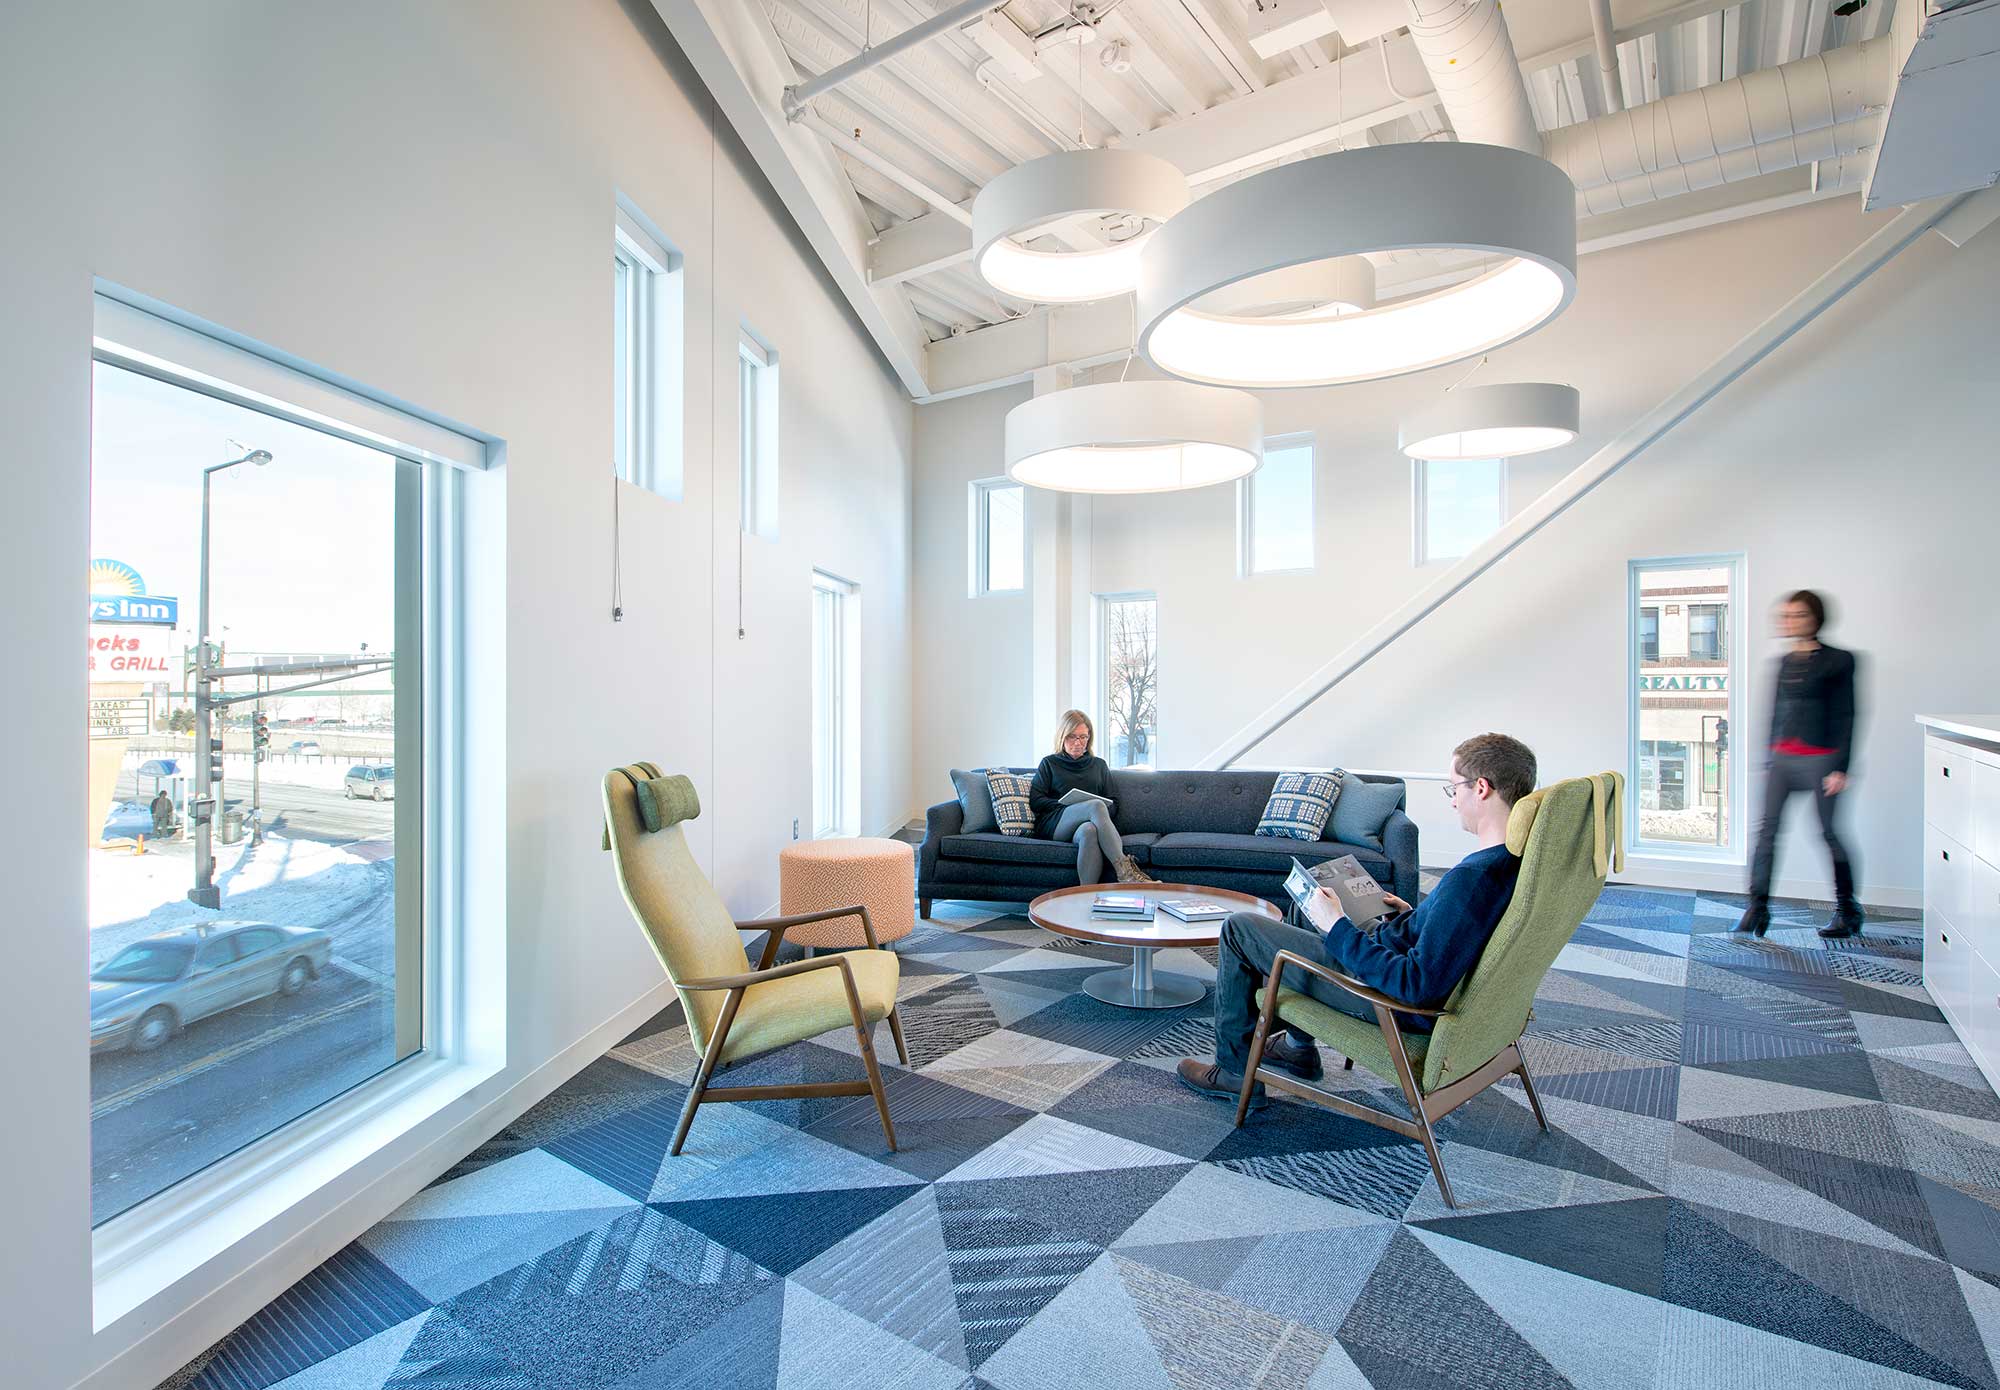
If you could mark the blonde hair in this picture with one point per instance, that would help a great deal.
(1068, 725)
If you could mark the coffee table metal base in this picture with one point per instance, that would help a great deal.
(1142, 987)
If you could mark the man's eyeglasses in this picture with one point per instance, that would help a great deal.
(1450, 789)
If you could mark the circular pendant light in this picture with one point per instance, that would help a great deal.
(1493, 422)
(1134, 436)
(1514, 207)
(1059, 187)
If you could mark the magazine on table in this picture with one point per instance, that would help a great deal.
(1121, 905)
(1194, 909)
(1361, 900)
(1077, 796)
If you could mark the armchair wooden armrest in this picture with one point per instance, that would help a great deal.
(777, 927)
(767, 972)
(1351, 985)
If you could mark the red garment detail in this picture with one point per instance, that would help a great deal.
(1800, 749)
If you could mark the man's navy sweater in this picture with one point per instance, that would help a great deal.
(1420, 956)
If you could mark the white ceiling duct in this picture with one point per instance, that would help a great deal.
(1470, 57)
(1827, 106)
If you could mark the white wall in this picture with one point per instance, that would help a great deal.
(1856, 460)
(973, 700)
(421, 197)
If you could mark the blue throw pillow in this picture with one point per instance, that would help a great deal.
(1010, 803)
(1299, 805)
(975, 800)
(1363, 809)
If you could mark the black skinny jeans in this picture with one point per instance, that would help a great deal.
(1791, 773)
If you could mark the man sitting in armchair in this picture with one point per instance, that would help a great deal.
(1416, 955)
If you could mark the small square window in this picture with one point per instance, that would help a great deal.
(1457, 504)
(1274, 510)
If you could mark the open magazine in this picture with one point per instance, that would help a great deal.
(1361, 900)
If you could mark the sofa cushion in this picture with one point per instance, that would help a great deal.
(1140, 846)
(1300, 805)
(1010, 802)
(1363, 809)
(1198, 850)
(975, 798)
(995, 848)
(1226, 802)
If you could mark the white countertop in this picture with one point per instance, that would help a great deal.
(1985, 727)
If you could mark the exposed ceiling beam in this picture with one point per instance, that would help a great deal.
(741, 60)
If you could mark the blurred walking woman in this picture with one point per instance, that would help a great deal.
(1812, 742)
(1075, 767)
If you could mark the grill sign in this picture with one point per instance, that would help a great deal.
(128, 653)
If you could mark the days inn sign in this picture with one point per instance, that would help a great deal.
(118, 595)
(1686, 684)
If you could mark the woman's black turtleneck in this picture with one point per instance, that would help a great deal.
(1060, 773)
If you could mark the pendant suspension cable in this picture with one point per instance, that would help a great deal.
(1467, 377)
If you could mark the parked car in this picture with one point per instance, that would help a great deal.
(154, 988)
(305, 746)
(378, 782)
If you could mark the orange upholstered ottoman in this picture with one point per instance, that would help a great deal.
(880, 875)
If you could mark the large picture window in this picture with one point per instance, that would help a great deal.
(1683, 769)
(1129, 673)
(255, 779)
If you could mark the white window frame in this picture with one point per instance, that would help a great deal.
(1420, 510)
(979, 524)
(1101, 670)
(1735, 852)
(1246, 511)
(843, 761)
(647, 359)
(757, 387)
(142, 1252)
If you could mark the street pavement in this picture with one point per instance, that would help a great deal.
(227, 1080)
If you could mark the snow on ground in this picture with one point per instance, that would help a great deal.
(294, 883)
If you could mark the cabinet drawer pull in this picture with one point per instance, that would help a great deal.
(1945, 938)
(1947, 771)
(1947, 855)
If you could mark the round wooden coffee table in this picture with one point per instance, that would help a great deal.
(1066, 912)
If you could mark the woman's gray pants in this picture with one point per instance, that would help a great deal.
(1076, 823)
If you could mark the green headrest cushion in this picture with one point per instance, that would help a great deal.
(663, 800)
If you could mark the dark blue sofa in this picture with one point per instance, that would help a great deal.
(1181, 827)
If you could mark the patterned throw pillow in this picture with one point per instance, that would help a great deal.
(1300, 804)
(1010, 803)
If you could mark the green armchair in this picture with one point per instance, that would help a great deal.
(1568, 838)
(733, 1011)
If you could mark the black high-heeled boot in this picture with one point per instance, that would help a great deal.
(1756, 918)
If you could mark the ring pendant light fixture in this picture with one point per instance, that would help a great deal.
(1134, 436)
(1485, 422)
(1514, 207)
(1062, 187)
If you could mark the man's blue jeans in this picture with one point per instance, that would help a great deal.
(1250, 943)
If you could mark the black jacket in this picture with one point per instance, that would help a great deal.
(1061, 773)
(1812, 700)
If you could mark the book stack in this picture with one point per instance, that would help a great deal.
(1194, 909)
(1128, 905)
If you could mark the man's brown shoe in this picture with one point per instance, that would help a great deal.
(1301, 1059)
(1211, 1080)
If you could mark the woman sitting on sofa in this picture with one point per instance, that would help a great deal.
(1073, 767)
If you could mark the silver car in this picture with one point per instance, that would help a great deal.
(378, 782)
(153, 988)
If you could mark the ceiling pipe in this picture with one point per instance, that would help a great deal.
(1827, 106)
(798, 94)
(847, 144)
(1601, 34)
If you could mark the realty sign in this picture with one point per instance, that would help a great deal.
(128, 653)
(156, 610)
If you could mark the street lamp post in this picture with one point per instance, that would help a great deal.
(205, 893)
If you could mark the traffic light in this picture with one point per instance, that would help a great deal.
(260, 733)
(215, 760)
(1722, 735)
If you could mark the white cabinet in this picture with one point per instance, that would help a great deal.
(1962, 879)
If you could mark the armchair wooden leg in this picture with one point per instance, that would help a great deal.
(710, 1055)
(1407, 1078)
(896, 1032)
(1266, 1017)
(875, 1084)
(1528, 1085)
(924, 908)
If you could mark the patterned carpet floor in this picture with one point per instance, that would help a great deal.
(1770, 1165)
